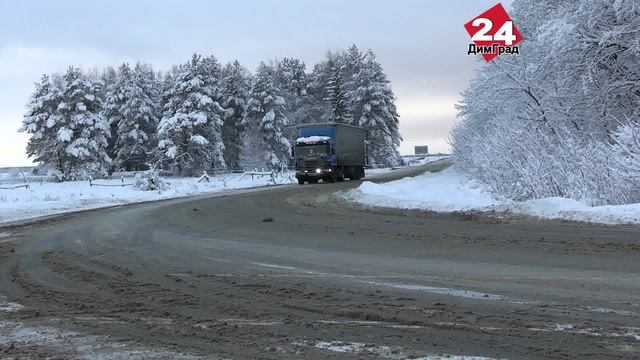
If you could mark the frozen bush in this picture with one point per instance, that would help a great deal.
(150, 181)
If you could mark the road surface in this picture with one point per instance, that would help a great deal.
(294, 272)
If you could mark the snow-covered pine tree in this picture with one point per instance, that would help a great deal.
(42, 122)
(293, 83)
(352, 63)
(320, 109)
(190, 131)
(83, 128)
(166, 82)
(264, 121)
(108, 76)
(291, 76)
(234, 92)
(336, 96)
(373, 102)
(132, 108)
(114, 105)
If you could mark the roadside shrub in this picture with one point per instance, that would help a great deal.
(150, 181)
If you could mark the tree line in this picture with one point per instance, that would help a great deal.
(203, 115)
(563, 117)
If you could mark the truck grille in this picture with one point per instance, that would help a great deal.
(310, 164)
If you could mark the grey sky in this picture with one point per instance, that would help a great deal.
(421, 44)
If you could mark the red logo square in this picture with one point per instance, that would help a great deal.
(493, 29)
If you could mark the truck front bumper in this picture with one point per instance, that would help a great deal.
(314, 174)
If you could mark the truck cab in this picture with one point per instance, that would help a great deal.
(315, 158)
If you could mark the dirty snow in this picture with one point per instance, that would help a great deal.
(632, 333)
(451, 191)
(82, 346)
(8, 306)
(381, 351)
(442, 291)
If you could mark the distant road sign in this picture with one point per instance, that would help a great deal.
(421, 150)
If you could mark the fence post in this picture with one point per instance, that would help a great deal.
(24, 177)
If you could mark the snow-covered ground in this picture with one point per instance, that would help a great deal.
(449, 191)
(44, 198)
(49, 198)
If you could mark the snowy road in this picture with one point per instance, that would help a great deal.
(216, 278)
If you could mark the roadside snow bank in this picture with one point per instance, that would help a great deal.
(443, 191)
(449, 191)
(47, 198)
(568, 209)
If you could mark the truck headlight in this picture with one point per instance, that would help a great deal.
(318, 171)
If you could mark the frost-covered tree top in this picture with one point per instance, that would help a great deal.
(235, 85)
(292, 76)
(545, 123)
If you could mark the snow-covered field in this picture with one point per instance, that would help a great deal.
(450, 191)
(49, 198)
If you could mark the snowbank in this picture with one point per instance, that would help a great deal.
(443, 191)
(47, 198)
(449, 191)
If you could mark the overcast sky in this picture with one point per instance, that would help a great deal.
(421, 44)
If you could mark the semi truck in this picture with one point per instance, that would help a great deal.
(329, 152)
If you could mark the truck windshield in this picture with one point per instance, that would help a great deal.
(311, 150)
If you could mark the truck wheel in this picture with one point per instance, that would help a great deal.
(334, 177)
(301, 181)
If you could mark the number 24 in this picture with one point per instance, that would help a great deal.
(505, 33)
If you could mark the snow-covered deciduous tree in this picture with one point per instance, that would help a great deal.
(547, 122)
(132, 108)
(235, 86)
(190, 131)
(264, 143)
(626, 152)
(373, 105)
